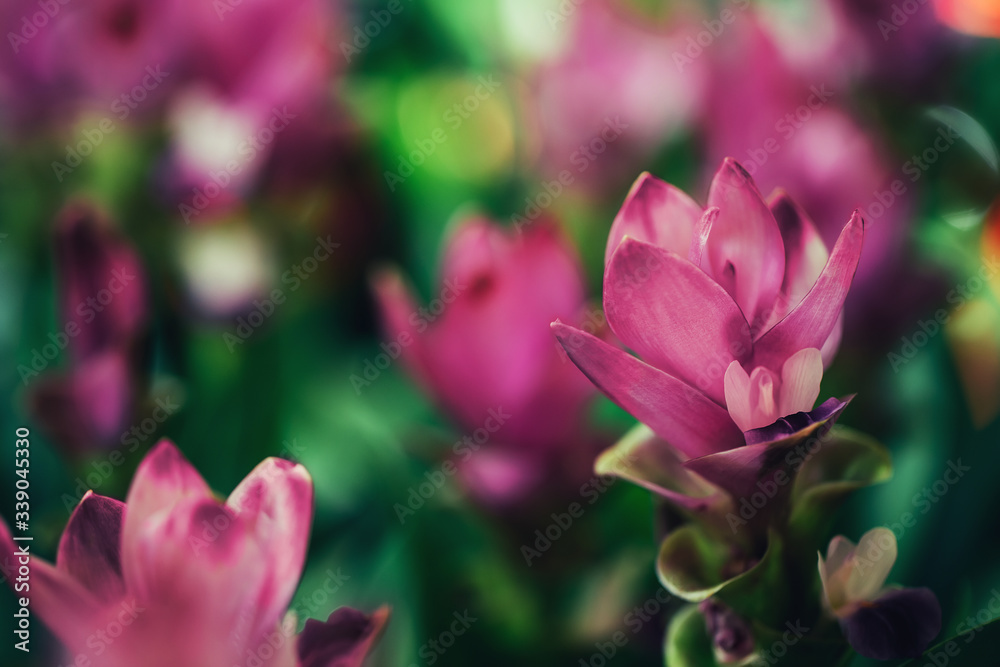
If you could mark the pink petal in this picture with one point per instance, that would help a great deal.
(674, 316)
(344, 640)
(737, 386)
(657, 213)
(396, 307)
(832, 342)
(745, 251)
(200, 574)
(811, 322)
(677, 412)
(800, 379)
(699, 239)
(163, 479)
(90, 547)
(805, 255)
(762, 390)
(66, 607)
(275, 502)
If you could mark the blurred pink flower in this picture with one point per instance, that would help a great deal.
(615, 93)
(733, 310)
(114, 48)
(977, 17)
(188, 579)
(103, 302)
(255, 69)
(113, 55)
(483, 347)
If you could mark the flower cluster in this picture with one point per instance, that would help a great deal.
(734, 309)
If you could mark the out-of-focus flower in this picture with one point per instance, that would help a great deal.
(188, 579)
(596, 108)
(977, 17)
(881, 623)
(115, 55)
(729, 308)
(102, 297)
(482, 347)
(256, 68)
(121, 50)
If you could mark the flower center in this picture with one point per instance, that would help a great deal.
(762, 397)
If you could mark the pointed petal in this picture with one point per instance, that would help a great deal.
(275, 501)
(677, 412)
(800, 379)
(899, 624)
(644, 459)
(396, 305)
(66, 607)
(745, 251)
(344, 640)
(90, 547)
(674, 316)
(873, 560)
(163, 479)
(657, 213)
(810, 323)
(805, 253)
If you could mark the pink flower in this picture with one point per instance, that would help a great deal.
(596, 109)
(102, 298)
(733, 310)
(257, 69)
(174, 576)
(482, 346)
(106, 49)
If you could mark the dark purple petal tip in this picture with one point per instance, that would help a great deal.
(899, 624)
(826, 414)
(344, 640)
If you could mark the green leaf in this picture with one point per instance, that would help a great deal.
(973, 648)
(846, 462)
(687, 643)
(694, 565)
